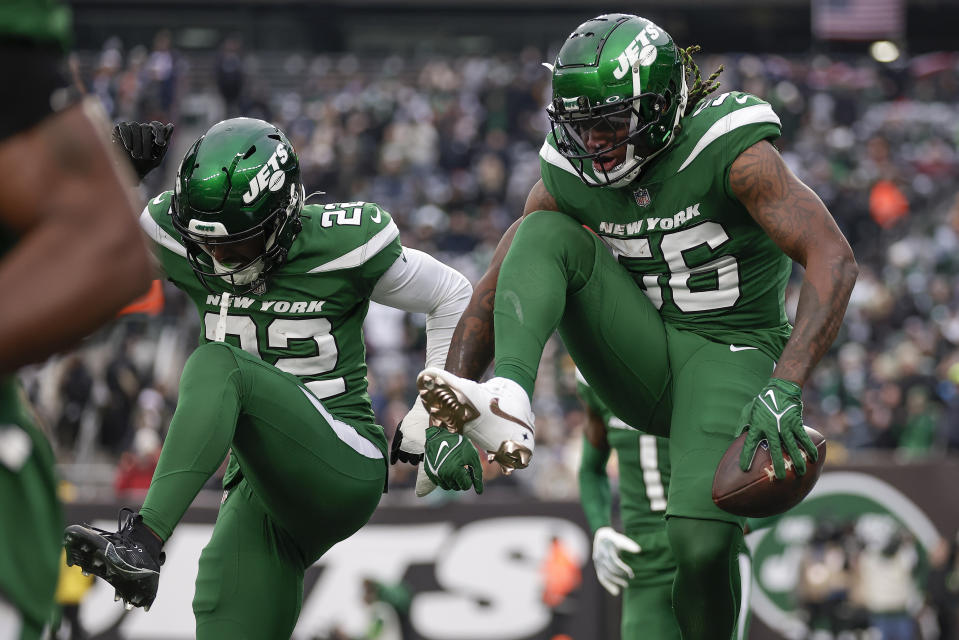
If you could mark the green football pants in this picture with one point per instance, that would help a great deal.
(647, 599)
(31, 525)
(309, 481)
(558, 275)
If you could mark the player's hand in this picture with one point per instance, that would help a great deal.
(409, 439)
(608, 548)
(144, 143)
(775, 415)
(451, 461)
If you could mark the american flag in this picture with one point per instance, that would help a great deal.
(858, 19)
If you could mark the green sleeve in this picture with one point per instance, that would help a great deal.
(594, 491)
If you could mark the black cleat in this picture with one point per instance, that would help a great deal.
(120, 558)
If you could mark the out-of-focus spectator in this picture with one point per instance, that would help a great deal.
(886, 586)
(561, 578)
(386, 606)
(824, 580)
(75, 387)
(123, 384)
(230, 75)
(135, 470)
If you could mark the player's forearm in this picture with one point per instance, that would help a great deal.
(442, 321)
(472, 347)
(825, 292)
(53, 307)
(594, 491)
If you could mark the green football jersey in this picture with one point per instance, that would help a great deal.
(643, 462)
(310, 320)
(40, 21)
(685, 238)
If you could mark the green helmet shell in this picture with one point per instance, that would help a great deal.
(239, 181)
(625, 73)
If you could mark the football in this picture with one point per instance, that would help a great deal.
(757, 493)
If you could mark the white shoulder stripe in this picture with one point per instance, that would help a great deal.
(158, 235)
(359, 255)
(345, 432)
(555, 158)
(755, 114)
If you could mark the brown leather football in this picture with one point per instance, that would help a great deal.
(757, 493)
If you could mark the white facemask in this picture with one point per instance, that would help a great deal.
(246, 275)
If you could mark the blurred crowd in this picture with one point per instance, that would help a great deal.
(449, 145)
(868, 578)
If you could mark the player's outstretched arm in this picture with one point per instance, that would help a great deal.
(471, 349)
(799, 223)
(80, 257)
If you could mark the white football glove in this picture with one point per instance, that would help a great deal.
(409, 443)
(612, 572)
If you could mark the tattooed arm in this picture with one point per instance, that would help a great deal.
(797, 220)
(471, 350)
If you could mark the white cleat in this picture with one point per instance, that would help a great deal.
(495, 414)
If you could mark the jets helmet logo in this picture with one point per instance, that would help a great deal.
(269, 177)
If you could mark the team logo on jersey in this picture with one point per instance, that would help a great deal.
(642, 197)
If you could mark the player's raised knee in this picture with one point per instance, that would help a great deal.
(549, 228)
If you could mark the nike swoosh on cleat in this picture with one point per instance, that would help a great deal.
(734, 348)
(494, 407)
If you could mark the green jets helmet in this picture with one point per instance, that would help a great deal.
(619, 91)
(238, 194)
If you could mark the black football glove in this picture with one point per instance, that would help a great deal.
(397, 453)
(144, 143)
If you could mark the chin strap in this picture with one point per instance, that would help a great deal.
(220, 334)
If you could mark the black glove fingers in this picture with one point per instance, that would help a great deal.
(126, 135)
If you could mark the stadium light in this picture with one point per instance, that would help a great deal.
(884, 51)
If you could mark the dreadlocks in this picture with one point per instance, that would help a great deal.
(699, 89)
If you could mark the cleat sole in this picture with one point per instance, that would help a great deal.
(96, 556)
(447, 407)
(511, 456)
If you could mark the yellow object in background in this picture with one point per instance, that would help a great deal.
(72, 585)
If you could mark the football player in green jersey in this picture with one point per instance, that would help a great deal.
(658, 242)
(640, 562)
(282, 289)
(67, 226)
